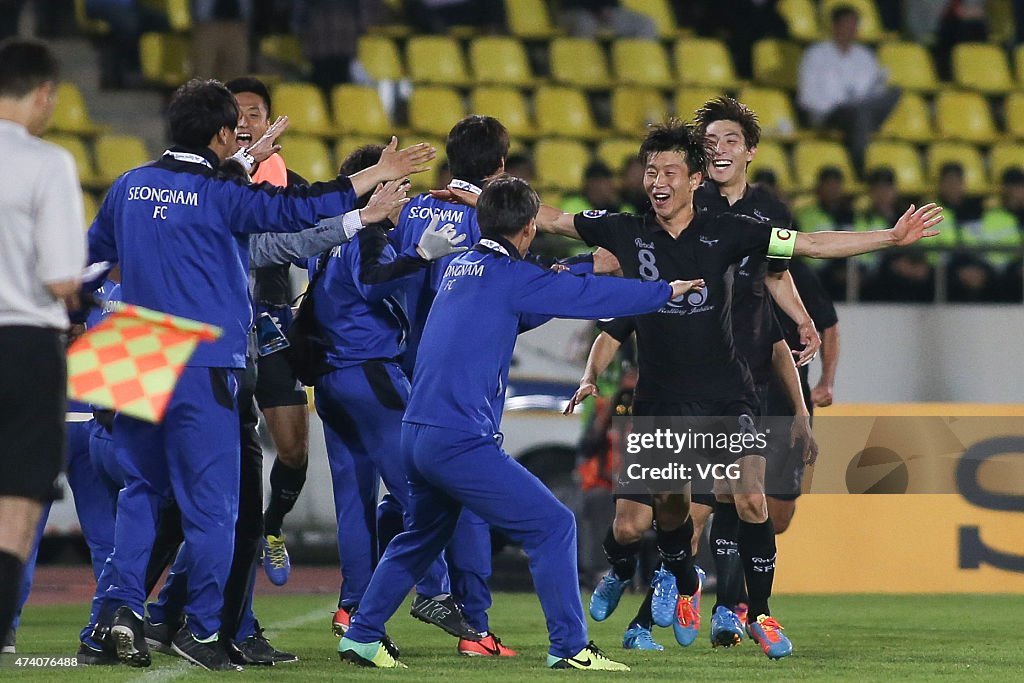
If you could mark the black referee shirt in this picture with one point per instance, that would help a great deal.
(273, 285)
(685, 350)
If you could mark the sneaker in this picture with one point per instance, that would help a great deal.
(606, 596)
(159, 636)
(276, 563)
(589, 658)
(767, 633)
(687, 621)
(10, 643)
(95, 654)
(726, 628)
(490, 646)
(258, 650)
(640, 638)
(445, 614)
(741, 613)
(375, 655)
(663, 604)
(209, 655)
(341, 620)
(128, 633)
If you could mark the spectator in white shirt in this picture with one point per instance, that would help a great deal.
(843, 86)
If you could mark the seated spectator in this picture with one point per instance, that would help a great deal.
(897, 276)
(591, 18)
(831, 209)
(1001, 226)
(969, 277)
(841, 85)
(599, 192)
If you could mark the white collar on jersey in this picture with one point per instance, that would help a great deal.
(188, 158)
(465, 186)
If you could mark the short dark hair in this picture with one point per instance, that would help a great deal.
(766, 176)
(829, 173)
(250, 84)
(198, 110)
(729, 109)
(843, 11)
(475, 147)
(882, 175)
(506, 205)
(676, 136)
(1013, 176)
(951, 167)
(597, 169)
(24, 66)
(359, 159)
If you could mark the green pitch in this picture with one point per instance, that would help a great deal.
(851, 638)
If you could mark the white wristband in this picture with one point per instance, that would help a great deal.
(245, 160)
(351, 223)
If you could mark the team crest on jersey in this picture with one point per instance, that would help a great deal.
(707, 241)
(594, 213)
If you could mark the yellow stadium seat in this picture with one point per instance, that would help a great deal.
(772, 156)
(165, 58)
(870, 27)
(177, 12)
(909, 65)
(963, 153)
(70, 114)
(308, 156)
(634, 108)
(434, 110)
(304, 105)
(116, 154)
(658, 10)
(285, 49)
(564, 112)
(810, 156)
(689, 100)
(421, 182)
(498, 60)
(380, 57)
(982, 67)
(902, 158)
(579, 62)
(437, 60)
(641, 62)
(704, 61)
(560, 164)
(1018, 63)
(617, 151)
(83, 160)
(529, 19)
(774, 111)
(1014, 111)
(909, 120)
(90, 208)
(964, 116)
(508, 105)
(350, 143)
(776, 63)
(358, 110)
(1005, 155)
(801, 19)
(88, 25)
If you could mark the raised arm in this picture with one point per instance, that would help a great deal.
(911, 227)
(394, 164)
(784, 292)
(601, 354)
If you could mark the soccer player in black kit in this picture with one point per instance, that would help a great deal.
(688, 364)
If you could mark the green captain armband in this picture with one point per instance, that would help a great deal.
(782, 243)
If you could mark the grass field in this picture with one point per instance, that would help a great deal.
(848, 637)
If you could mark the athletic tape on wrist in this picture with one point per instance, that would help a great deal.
(782, 243)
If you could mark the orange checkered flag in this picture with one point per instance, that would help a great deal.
(131, 361)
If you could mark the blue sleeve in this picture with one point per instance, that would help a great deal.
(563, 295)
(581, 264)
(266, 208)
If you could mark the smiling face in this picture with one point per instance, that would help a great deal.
(254, 120)
(669, 184)
(730, 154)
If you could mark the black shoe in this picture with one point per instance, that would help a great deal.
(128, 634)
(210, 656)
(257, 648)
(390, 646)
(91, 656)
(10, 644)
(445, 614)
(159, 636)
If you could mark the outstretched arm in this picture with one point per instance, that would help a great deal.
(394, 164)
(911, 227)
(601, 355)
(556, 221)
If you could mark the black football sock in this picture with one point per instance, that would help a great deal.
(285, 487)
(757, 549)
(10, 589)
(674, 547)
(621, 557)
(643, 615)
(725, 550)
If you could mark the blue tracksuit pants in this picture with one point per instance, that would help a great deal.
(194, 457)
(447, 470)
